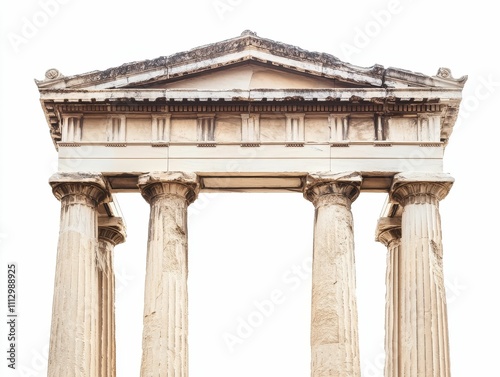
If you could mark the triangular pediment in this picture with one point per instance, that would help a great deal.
(249, 76)
(247, 62)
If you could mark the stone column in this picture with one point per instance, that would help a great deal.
(111, 232)
(73, 339)
(389, 233)
(164, 344)
(334, 318)
(423, 335)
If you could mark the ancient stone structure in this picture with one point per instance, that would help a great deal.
(250, 114)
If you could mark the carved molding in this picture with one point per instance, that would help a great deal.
(431, 145)
(388, 230)
(206, 145)
(53, 74)
(295, 127)
(180, 184)
(159, 109)
(243, 108)
(112, 234)
(160, 127)
(381, 126)
(250, 145)
(72, 128)
(116, 129)
(339, 127)
(111, 108)
(340, 145)
(418, 188)
(429, 127)
(341, 188)
(69, 145)
(116, 145)
(206, 128)
(250, 128)
(89, 187)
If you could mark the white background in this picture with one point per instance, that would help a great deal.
(244, 247)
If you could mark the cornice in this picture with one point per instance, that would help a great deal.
(246, 47)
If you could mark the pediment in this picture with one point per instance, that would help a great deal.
(247, 62)
(255, 70)
(248, 77)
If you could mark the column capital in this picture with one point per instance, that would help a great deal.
(111, 229)
(388, 230)
(420, 187)
(91, 186)
(181, 184)
(345, 185)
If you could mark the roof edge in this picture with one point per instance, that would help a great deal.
(325, 63)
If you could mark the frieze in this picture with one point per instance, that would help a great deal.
(250, 108)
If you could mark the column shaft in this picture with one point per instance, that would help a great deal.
(423, 335)
(334, 327)
(389, 233)
(111, 233)
(73, 341)
(392, 310)
(165, 348)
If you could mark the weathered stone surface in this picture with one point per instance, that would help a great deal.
(253, 70)
(165, 348)
(345, 184)
(255, 46)
(413, 184)
(74, 342)
(250, 114)
(334, 318)
(423, 332)
(91, 185)
(388, 230)
(182, 184)
(111, 232)
(207, 107)
(389, 233)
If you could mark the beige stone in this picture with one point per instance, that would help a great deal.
(164, 346)
(299, 111)
(334, 317)
(111, 232)
(423, 348)
(74, 341)
(250, 115)
(389, 233)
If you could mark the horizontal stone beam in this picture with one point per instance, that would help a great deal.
(345, 94)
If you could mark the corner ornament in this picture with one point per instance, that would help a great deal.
(53, 74)
(445, 73)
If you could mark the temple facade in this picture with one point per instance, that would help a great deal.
(250, 114)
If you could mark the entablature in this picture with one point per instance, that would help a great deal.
(250, 114)
(57, 110)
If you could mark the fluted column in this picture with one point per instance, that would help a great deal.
(73, 339)
(164, 344)
(423, 336)
(111, 232)
(389, 233)
(334, 318)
